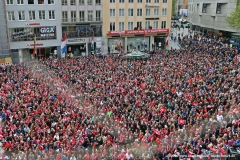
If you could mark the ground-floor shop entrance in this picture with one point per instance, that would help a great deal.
(77, 49)
(128, 44)
(43, 53)
(159, 42)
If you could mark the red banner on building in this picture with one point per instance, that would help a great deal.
(149, 31)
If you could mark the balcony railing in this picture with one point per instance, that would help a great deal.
(81, 20)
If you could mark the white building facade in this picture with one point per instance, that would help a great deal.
(210, 16)
(29, 18)
(4, 40)
(81, 22)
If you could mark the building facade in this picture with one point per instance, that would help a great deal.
(182, 8)
(4, 39)
(210, 16)
(81, 22)
(182, 4)
(135, 24)
(30, 18)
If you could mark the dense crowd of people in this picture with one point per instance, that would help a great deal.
(181, 103)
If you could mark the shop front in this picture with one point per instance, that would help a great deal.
(22, 41)
(136, 40)
(77, 46)
(115, 45)
(83, 46)
(79, 39)
(138, 43)
(24, 51)
(159, 42)
(28, 33)
(42, 51)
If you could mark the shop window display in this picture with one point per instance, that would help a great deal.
(114, 44)
(28, 33)
(137, 44)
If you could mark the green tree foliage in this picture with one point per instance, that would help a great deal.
(234, 19)
(174, 3)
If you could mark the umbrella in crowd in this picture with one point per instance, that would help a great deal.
(136, 55)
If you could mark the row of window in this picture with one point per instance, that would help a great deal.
(31, 15)
(139, 12)
(218, 8)
(80, 2)
(29, 2)
(195, 8)
(130, 25)
(50, 32)
(82, 31)
(138, 1)
(81, 17)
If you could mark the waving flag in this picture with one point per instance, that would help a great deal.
(63, 45)
(92, 45)
(166, 43)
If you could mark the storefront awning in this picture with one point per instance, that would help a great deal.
(133, 32)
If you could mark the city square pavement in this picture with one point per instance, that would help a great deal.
(175, 32)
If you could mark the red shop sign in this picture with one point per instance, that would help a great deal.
(138, 31)
(32, 45)
(33, 24)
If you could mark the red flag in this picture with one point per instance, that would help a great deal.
(190, 154)
(209, 157)
(156, 131)
(167, 37)
(181, 121)
(222, 151)
(213, 150)
(120, 43)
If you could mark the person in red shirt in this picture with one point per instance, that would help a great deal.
(122, 155)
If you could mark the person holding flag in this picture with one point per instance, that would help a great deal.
(63, 45)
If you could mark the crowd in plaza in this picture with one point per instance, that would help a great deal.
(180, 103)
